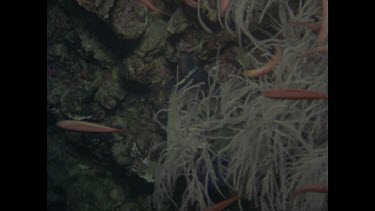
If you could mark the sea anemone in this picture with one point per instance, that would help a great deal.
(271, 147)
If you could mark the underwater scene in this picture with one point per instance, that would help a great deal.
(191, 105)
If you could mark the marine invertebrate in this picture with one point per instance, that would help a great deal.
(321, 28)
(101, 9)
(270, 146)
(204, 26)
(243, 17)
(263, 140)
(131, 10)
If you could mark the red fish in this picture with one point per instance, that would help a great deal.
(223, 204)
(223, 7)
(313, 26)
(191, 3)
(294, 94)
(324, 31)
(81, 126)
(320, 49)
(270, 66)
(152, 7)
(317, 188)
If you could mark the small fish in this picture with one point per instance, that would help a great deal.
(324, 30)
(81, 126)
(294, 94)
(152, 7)
(266, 68)
(313, 26)
(223, 7)
(317, 188)
(223, 204)
(320, 49)
(191, 3)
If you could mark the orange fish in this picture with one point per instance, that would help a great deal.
(81, 126)
(223, 7)
(324, 31)
(313, 26)
(266, 68)
(320, 49)
(223, 204)
(317, 188)
(191, 3)
(294, 94)
(152, 7)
